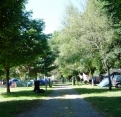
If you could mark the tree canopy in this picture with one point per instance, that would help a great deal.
(21, 38)
(90, 39)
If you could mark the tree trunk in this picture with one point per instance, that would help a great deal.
(7, 79)
(110, 84)
(109, 79)
(36, 86)
(73, 80)
(35, 75)
(92, 70)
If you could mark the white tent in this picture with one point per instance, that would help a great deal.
(85, 77)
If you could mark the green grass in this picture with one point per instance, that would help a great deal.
(20, 100)
(105, 101)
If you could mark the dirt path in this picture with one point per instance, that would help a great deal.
(63, 102)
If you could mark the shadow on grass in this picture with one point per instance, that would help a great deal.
(110, 106)
(12, 108)
(26, 93)
(99, 90)
(107, 106)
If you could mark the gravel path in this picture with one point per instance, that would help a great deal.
(63, 102)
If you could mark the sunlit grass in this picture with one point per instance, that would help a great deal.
(105, 101)
(20, 100)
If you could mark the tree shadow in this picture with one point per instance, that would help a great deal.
(27, 93)
(99, 90)
(11, 108)
(109, 106)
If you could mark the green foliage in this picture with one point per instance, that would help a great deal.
(21, 38)
(113, 9)
(33, 41)
(2, 74)
(87, 36)
(10, 13)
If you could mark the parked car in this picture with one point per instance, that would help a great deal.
(116, 81)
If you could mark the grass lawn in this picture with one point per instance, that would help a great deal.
(20, 100)
(105, 101)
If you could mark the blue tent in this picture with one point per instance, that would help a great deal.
(15, 79)
(42, 82)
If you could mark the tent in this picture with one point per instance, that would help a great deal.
(21, 84)
(105, 81)
(41, 81)
(15, 79)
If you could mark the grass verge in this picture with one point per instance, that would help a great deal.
(20, 100)
(105, 101)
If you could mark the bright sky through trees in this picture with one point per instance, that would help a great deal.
(51, 11)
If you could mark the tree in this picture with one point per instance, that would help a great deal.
(87, 34)
(11, 13)
(71, 43)
(98, 32)
(113, 9)
(22, 40)
(54, 46)
(70, 49)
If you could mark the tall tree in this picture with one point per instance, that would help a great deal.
(113, 9)
(98, 33)
(21, 38)
(87, 34)
(11, 13)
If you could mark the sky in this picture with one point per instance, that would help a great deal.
(51, 11)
